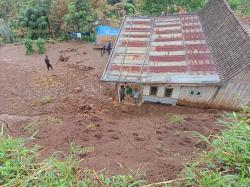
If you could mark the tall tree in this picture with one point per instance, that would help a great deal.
(80, 15)
(6, 10)
(158, 7)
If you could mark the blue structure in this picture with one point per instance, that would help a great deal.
(102, 32)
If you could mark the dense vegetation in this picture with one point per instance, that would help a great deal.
(35, 19)
(228, 164)
(21, 166)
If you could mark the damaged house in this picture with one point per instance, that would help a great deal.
(195, 59)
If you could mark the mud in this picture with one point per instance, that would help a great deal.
(70, 104)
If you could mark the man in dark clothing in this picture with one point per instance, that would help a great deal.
(122, 93)
(46, 60)
(109, 47)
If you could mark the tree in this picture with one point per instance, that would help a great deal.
(33, 17)
(58, 9)
(80, 15)
(6, 10)
(157, 7)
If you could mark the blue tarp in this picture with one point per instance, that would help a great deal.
(103, 30)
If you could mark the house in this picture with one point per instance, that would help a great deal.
(195, 59)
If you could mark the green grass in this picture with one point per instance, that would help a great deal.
(21, 166)
(228, 163)
(175, 119)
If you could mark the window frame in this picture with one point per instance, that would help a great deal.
(171, 93)
(156, 92)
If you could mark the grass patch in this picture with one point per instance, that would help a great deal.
(32, 127)
(228, 163)
(46, 99)
(21, 166)
(175, 119)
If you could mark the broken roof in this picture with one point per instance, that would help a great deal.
(167, 49)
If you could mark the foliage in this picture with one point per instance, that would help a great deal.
(159, 7)
(40, 46)
(175, 119)
(22, 166)
(227, 165)
(241, 6)
(46, 18)
(80, 15)
(47, 99)
(34, 19)
(28, 46)
(129, 8)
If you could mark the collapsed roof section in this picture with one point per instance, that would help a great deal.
(167, 49)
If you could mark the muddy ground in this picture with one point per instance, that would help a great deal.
(70, 104)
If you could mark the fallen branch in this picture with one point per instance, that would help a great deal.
(165, 182)
(7, 125)
(69, 50)
(82, 61)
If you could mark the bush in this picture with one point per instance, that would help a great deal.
(227, 164)
(28, 46)
(40, 46)
(23, 166)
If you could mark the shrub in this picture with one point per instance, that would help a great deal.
(28, 46)
(175, 119)
(40, 46)
(23, 166)
(227, 164)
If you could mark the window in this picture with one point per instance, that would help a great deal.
(191, 93)
(168, 92)
(194, 93)
(153, 90)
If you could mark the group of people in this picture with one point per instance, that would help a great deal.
(128, 92)
(107, 48)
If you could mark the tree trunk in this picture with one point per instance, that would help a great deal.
(51, 29)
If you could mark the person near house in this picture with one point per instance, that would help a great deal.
(136, 96)
(109, 47)
(129, 91)
(46, 60)
(104, 48)
(122, 93)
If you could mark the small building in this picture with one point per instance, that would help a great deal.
(104, 34)
(195, 59)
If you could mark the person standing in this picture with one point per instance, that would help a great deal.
(136, 96)
(122, 93)
(109, 47)
(46, 60)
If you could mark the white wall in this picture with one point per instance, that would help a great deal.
(160, 95)
(161, 91)
(181, 95)
(203, 100)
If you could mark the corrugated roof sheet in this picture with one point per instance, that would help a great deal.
(167, 49)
